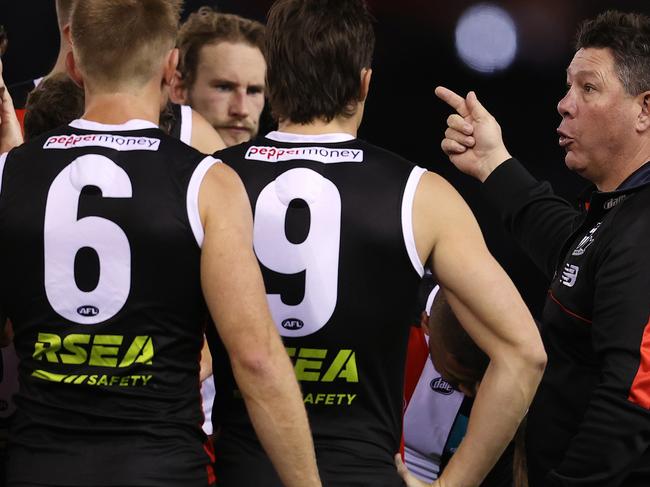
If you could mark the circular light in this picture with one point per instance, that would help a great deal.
(486, 38)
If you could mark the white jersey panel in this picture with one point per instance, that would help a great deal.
(186, 124)
(3, 159)
(407, 218)
(193, 197)
(428, 420)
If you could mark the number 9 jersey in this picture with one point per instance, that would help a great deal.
(100, 260)
(333, 235)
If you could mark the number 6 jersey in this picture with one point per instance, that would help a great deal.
(100, 260)
(333, 235)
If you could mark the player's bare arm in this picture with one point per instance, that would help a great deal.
(490, 308)
(204, 137)
(235, 294)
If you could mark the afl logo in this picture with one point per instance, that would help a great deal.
(87, 310)
(441, 386)
(292, 324)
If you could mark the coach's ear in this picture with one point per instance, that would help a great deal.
(73, 70)
(366, 74)
(643, 120)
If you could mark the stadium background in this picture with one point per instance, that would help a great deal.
(416, 50)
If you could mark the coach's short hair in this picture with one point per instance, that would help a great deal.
(315, 52)
(56, 101)
(208, 27)
(628, 37)
(123, 41)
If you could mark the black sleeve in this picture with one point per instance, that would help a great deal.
(539, 221)
(614, 435)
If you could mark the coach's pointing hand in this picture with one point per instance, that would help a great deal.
(473, 139)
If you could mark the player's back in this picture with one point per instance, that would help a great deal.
(101, 279)
(333, 235)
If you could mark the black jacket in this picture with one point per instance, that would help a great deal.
(589, 424)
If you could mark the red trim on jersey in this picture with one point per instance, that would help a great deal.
(568, 311)
(209, 449)
(416, 357)
(640, 390)
(20, 113)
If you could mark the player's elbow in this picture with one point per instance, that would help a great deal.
(529, 359)
(252, 363)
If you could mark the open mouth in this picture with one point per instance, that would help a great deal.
(564, 140)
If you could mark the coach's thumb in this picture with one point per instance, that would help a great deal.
(477, 110)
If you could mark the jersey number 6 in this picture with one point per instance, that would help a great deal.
(65, 235)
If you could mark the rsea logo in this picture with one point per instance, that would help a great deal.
(441, 386)
(88, 310)
(292, 324)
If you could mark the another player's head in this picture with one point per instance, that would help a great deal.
(453, 353)
(222, 72)
(56, 101)
(606, 111)
(319, 54)
(123, 46)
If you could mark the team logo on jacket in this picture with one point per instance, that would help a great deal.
(441, 386)
(569, 275)
(612, 202)
(586, 241)
(292, 324)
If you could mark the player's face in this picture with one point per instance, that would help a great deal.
(229, 89)
(598, 116)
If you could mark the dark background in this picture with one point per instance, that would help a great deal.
(415, 52)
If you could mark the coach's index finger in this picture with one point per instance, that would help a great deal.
(454, 100)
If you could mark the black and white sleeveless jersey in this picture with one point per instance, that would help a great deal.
(176, 120)
(100, 257)
(333, 235)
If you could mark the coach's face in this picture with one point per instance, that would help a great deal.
(598, 116)
(229, 89)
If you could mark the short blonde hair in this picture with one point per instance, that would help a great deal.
(119, 42)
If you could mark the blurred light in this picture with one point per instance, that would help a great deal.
(486, 38)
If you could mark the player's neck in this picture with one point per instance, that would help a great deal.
(119, 108)
(59, 66)
(339, 125)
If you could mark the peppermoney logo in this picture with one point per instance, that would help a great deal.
(117, 142)
(112, 351)
(320, 154)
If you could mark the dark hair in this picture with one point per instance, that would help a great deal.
(207, 26)
(56, 101)
(445, 327)
(315, 50)
(628, 37)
